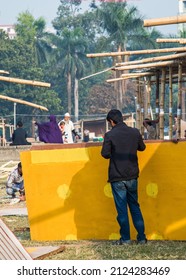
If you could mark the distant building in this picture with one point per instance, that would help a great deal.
(9, 29)
(182, 11)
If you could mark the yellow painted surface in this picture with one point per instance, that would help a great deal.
(68, 197)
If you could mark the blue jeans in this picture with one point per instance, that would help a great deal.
(126, 195)
(15, 188)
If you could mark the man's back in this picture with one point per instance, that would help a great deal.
(121, 145)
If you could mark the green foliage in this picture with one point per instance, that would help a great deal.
(61, 58)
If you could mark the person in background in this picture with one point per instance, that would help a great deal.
(63, 133)
(69, 129)
(150, 126)
(120, 146)
(19, 136)
(175, 128)
(86, 135)
(49, 132)
(15, 183)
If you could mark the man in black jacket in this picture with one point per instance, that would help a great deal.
(120, 146)
(19, 136)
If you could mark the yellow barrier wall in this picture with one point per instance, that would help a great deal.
(68, 196)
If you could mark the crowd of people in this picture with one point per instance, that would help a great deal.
(63, 131)
(48, 132)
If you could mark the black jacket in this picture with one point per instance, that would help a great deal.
(120, 146)
(19, 137)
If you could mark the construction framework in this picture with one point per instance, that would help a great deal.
(159, 71)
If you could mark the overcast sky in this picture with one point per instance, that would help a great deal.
(9, 10)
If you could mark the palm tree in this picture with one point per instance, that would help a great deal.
(33, 32)
(71, 50)
(123, 27)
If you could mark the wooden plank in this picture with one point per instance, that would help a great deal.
(10, 247)
(41, 252)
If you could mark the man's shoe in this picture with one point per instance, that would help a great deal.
(142, 242)
(122, 242)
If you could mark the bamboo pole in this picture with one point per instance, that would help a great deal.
(97, 73)
(162, 100)
(23, 102)
(4, 72)
(171, 40)
(148, 51)
(148, 93)
(165, 20)
(25, 82)
(152, 59)
(179, 107)
(139, 74)
(130, 76)
(157, 101)
(146, 65)
(120, 79)
(142, 103)
(138, 103)
(170, 102)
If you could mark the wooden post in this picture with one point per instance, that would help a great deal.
(138, 103)
(157, 101)
(162, 99)
(142, 105)
(170, 102)
(179, 100)
(148, 91)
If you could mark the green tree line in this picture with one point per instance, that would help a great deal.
(60, 58)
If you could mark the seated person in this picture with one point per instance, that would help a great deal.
(15, 183)
(150, 126)
(19, 136)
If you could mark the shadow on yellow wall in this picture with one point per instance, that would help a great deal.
(68, 196)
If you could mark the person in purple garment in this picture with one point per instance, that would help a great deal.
(49, 132)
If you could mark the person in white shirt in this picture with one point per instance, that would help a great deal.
(69, 129)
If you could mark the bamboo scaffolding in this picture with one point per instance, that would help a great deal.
(4, 72)
(165, 20)
(146, 65)
(25, 82)
(170, 102)
(152, 59)
(157, 101)
(149, 51)
(171, 40)
(23, 102)
(179, 107)
(162, 101)
(138, 106)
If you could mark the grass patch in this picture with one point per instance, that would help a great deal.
(99, 249)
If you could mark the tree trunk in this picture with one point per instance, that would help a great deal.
(69, 90)
(76, 100)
